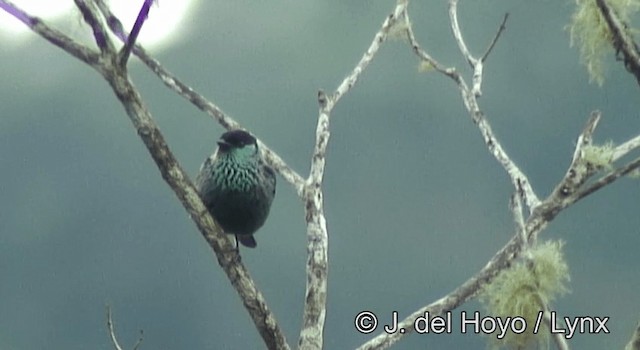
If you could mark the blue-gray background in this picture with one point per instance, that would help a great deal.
(414, 202)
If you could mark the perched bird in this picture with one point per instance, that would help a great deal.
(237, 186)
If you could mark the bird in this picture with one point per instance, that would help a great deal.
(237, 186)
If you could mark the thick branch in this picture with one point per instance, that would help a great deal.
(172, 173)
(170, 170)
(622, 40)
(318, 240)
(92, 18)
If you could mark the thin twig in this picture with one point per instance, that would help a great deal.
(139, 341)
(135, 31)
(112, 332)
(503, 26)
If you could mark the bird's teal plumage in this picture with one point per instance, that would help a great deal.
(237, 170)
(237, 186)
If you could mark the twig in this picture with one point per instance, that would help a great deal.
(625, 147)
(112, 332)
(135, 31)
(139, 341)
(457, 34)
(578, 171)
(503, 26)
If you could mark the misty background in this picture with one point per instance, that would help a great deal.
(414, 202)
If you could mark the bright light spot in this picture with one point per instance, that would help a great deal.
(164, 24)
(45, 9)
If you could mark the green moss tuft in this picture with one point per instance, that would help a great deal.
(525, 289)
(589, 31)
(600, 156)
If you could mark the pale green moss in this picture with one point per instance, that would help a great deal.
(525, 289)
(589, 31)
(600, 156)
(425, 67)
(399, 30)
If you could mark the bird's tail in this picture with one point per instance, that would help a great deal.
(247, 240)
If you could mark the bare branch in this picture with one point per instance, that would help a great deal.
(476, 64)
(578, 171)
(457, 34)
(501, 260)
(314, 312)
(135, 31)
(112, 332)
(139, 341)
(367, 57)
(626, 147)
(518, 178)
(423, 55)
(92, 18)
(503, 26)
(558, 338)
(516, 210)
(179, 182)
(52, 35)
(622, 39)
(634, 343)
(607, 179)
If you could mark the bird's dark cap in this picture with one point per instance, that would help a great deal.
(236, 138)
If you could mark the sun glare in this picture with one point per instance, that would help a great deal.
(163, 26)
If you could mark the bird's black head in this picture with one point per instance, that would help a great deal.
(235, 139)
